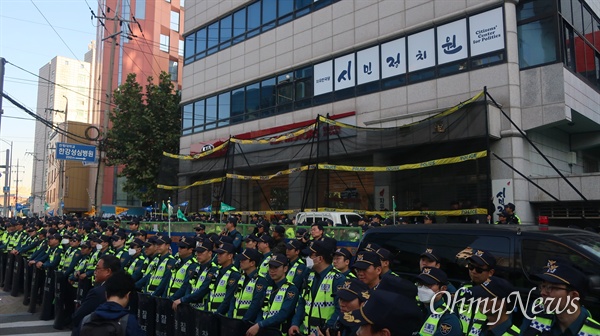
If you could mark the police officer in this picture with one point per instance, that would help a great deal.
(279, 239)
(317, 307)
(341, 262)
(200, 230)
(251, 290)
(502, 218)
(264, 247)
(481, 266)
(138, 261)
(160, 277)
(353, 294)
(121, 251)
(251, 241)
(280, 300)
(494, 293)
(203, 279)
(150, 251)
(368, 268)
(223, 293)
(440, 320)
(386, 257)
(184, 267)
(134, 226)
(562, 288)
(511, 217)
(430, 259)
(297, 266)
(231, 231)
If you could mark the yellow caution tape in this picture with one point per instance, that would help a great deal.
(280, 138)
(199, 155)
(195, 184)
(268, 177)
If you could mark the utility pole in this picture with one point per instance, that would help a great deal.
(2, 63)
(109, 89)
(17, 187)
(62, 177)
(8, 168)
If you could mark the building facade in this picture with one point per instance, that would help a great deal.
(268, 67)
(65, 95)
(148, 40)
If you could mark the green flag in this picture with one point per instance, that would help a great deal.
(180, 215)
(163, 209)
(46, 206)
(394, 205)
(226, 208)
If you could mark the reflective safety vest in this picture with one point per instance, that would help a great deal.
(152, 265)
(133, 263)
(320, 308)
(431, 324)
(119, 252)
(263, 269)
(217, 296)
(158, 274)
(53, 252)
(66, 261)
(543, 323)
(198, 283)
(243, 296)
(28, 240)
(81, 267)
(272, 308)
(13, 240)
(471, 321)
(177, 276)
(292, 271)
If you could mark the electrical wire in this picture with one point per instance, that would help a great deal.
(51, 26)
(45, 122)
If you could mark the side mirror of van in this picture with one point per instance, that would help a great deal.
(594, 283)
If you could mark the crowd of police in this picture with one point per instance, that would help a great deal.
(264, 284)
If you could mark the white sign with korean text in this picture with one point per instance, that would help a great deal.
(382, 198)
(421, 50)
(344, 72)
(502, 192)
(323, 78)
(367, 62)
(486, 32)
(452, 41)
(393, 60)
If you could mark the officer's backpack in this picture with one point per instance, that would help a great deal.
(93, 325)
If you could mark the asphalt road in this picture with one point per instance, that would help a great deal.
(15, 320)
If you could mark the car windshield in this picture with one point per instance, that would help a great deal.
(590, 243)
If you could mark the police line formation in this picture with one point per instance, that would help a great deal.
(264, 284)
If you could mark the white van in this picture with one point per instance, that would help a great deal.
(338, 218)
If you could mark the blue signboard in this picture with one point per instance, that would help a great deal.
(75, 152)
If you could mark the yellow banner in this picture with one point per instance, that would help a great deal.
(199, 155)
(280, 138)
(268, 177)
(439, 115)
(438, 162)
(197, 183)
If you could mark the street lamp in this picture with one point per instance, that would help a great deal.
(7, 180)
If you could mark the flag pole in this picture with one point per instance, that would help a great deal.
(168, 214)
(394, 209)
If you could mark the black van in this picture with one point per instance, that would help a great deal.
(520, 250)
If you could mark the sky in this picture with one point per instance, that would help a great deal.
(33, 32)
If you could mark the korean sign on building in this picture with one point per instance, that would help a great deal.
(75, 152)
(443, 44)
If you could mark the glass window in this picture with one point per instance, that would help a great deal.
(173, 70)
(596, 34)
(253, 16)
(187, 119)
(182, 3)
(201, 41)
(164, 43)
(269, 12)
(213, 35)
(224, 108)
(299, 4)
(190, 47)
(531, 9)
(211, 111)
(537, 43)
(577, 16)
(285, 93)
(226, 31)
(238, 106)
(568, 52)
(174, 21)
(304, 89)
(588, 24)
(267, 93)
(140, 9)
(565, 10)
(199, 113)
(252, 97)
(239, 23)
(181, 46)
(286, 7)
